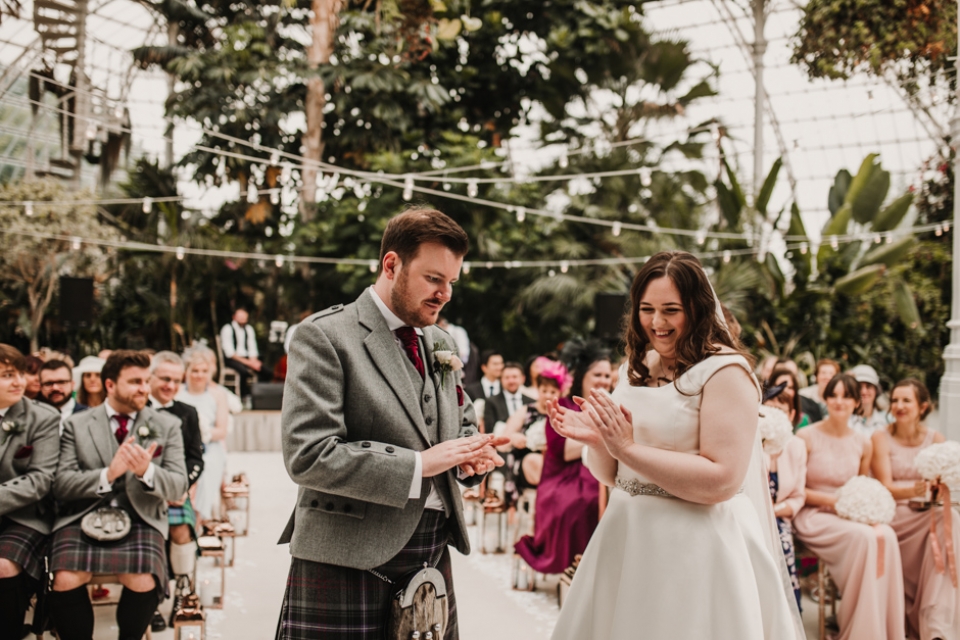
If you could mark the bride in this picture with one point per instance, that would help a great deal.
(687, 548)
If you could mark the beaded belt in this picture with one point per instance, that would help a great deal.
(636, 488)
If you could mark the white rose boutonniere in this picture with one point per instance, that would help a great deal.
(445, 361)
(145, 433)
(10, 428)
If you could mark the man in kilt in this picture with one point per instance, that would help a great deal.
(166, 375)
(377, 432)
(122, 454)
(29, 447)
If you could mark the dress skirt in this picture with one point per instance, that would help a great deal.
(210, 481)
(933, 603)
(661, 567)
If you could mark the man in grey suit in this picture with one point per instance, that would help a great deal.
(122, 454)
(377, 431)
(29, 446)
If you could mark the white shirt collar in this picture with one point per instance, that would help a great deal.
(393, 322)
(158, 405)
(67, 409)
(111, 412)
(3, 412)
(513, 396)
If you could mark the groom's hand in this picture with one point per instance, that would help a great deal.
(453, 453)
(487, 460)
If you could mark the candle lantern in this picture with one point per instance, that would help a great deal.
(211, 572)
(189, 621)
(471, 502)
(227, 535)
(493, 524)
(524, 577)
(236, 504)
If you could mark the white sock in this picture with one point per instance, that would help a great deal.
(183, 558)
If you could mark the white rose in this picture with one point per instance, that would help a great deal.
(865, 500)
(775, 429)
(143, 431)
(443, 357)
(456, 364)
(7, 427)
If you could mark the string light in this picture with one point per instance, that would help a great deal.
(180, 253)
(804, 247)
(938, 231)
(275, 196)
(646, 176)
(564, 161)
(75, 243)
(701, 237)
(726, 256)
(373, 266)
(834, 243)
(564, 266)
(616, 229)
(28, 209)
(889, 238)
(147, 205)
(472, 189)
(466, 267)
(275, 158)
(253, 196)
(278, 261)
(946, 227)
(408, 188)
(521, 214)
(877, 239)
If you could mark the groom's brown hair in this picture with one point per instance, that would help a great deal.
(406, 232)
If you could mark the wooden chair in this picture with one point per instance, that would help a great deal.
(826, 587)
(228, 377)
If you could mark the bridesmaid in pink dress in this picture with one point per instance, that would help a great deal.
(932, 602)
(872, 606)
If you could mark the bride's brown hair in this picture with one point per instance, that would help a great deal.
(704, 334)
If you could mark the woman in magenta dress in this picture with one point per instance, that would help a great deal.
(568, 496)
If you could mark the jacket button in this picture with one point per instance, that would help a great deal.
(427, 398)
(365, 445)
(390, 449)
(330, 506)
(429, 420)
(347, 508)
(314, 504)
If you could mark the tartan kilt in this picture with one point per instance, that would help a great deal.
(143, 550)
(341, 603)
(24, 546)
(183, 515)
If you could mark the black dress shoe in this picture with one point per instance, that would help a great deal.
(157, 624)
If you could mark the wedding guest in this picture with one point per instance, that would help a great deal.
(28, 459)
(511, 399)
(213, 409)
(808, 407)
(767, 365)
(166, 376)
(239, 344)
(824, 373)
(869, 418)
(491, 364)
(568, 497)
(125, 454)
(932, 600)
(532, 369)
(872, 607)
(86, 379)
(56, 388)
(527, 432)
(31, 374)
(788, 380)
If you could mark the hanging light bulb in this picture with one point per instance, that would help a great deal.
(889, 238)
(275, 158)
(646, 176)
(616, 228)
(804, 247)
(726, 256)
(564, 161)
(362, 205)
(446, 186)
(834, 243)
(75, 243)
(489, 265)
(472, 188)
(877, 239)
(180, 253)
(946, 227)
(551, 273)
(147, 205)
(278, 261)
(521, 214)
(938, 231)
(28, 208)
(407, 188)
(564, 266)
(466, 267)
(701, 237)
(91, 132)
(253, 196)
(373, 266)
(275, 196)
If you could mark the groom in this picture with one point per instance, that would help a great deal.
(377, 433)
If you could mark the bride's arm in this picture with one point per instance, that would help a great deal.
(602, 465)
(728, 426)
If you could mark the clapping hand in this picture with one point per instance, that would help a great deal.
(130, 457)
(600, 422)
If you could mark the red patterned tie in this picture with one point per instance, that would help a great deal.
(122, 431)
(411, 345)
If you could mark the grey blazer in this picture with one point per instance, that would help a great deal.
(28, 461)
(351, 423)
(88, 445)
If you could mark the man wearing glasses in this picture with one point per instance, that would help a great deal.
(56, 388)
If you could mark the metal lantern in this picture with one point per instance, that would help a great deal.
(524, 577)
(189, 620)
(471, 502)
(493, 525)
(236, 504)
(211, 582)
(227, 535)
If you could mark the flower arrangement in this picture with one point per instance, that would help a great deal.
(445, 360)
(775, 429)
(865, 500)
(537, 435)
(940, 463)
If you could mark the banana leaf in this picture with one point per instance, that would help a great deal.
(893, 214)
(906, 305)
(890, 254)
(763, 198)
(859, 281)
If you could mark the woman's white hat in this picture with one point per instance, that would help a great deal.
(866, 373)
(90, 364)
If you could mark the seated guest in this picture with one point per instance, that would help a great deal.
(527, 432)
(125, 455)
(31, 373)
(872, 607)
(869, 418)
(810, 409)
(86, 378)
(568, 497)
(213, 408)
(786, 381)
(166, 375)
(932, 599)
(824, 373)
(28, 459)
(239, 343)
(510, 400)
(56, 388)
(491, 364)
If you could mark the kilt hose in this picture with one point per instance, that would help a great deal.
(25, 547)
(340, 603)
(143, 550)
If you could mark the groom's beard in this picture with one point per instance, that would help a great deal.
(414, 312)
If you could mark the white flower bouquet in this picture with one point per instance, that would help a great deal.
(775, 429)
(537, 435)
(940, 463)
(865, 500)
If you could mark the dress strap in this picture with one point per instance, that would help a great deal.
(693, 381)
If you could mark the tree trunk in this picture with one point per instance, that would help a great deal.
(323, 23)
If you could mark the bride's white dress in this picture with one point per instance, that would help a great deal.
(660, 567)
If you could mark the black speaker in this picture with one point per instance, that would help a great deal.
(610, 312)
(76, 301)
(267, 396)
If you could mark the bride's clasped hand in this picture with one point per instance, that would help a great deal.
(601, 422)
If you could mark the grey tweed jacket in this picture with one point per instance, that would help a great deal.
(351, 423)
(28, 460)
(88, 445)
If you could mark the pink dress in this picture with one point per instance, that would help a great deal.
(932, 602)
(871, 608)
